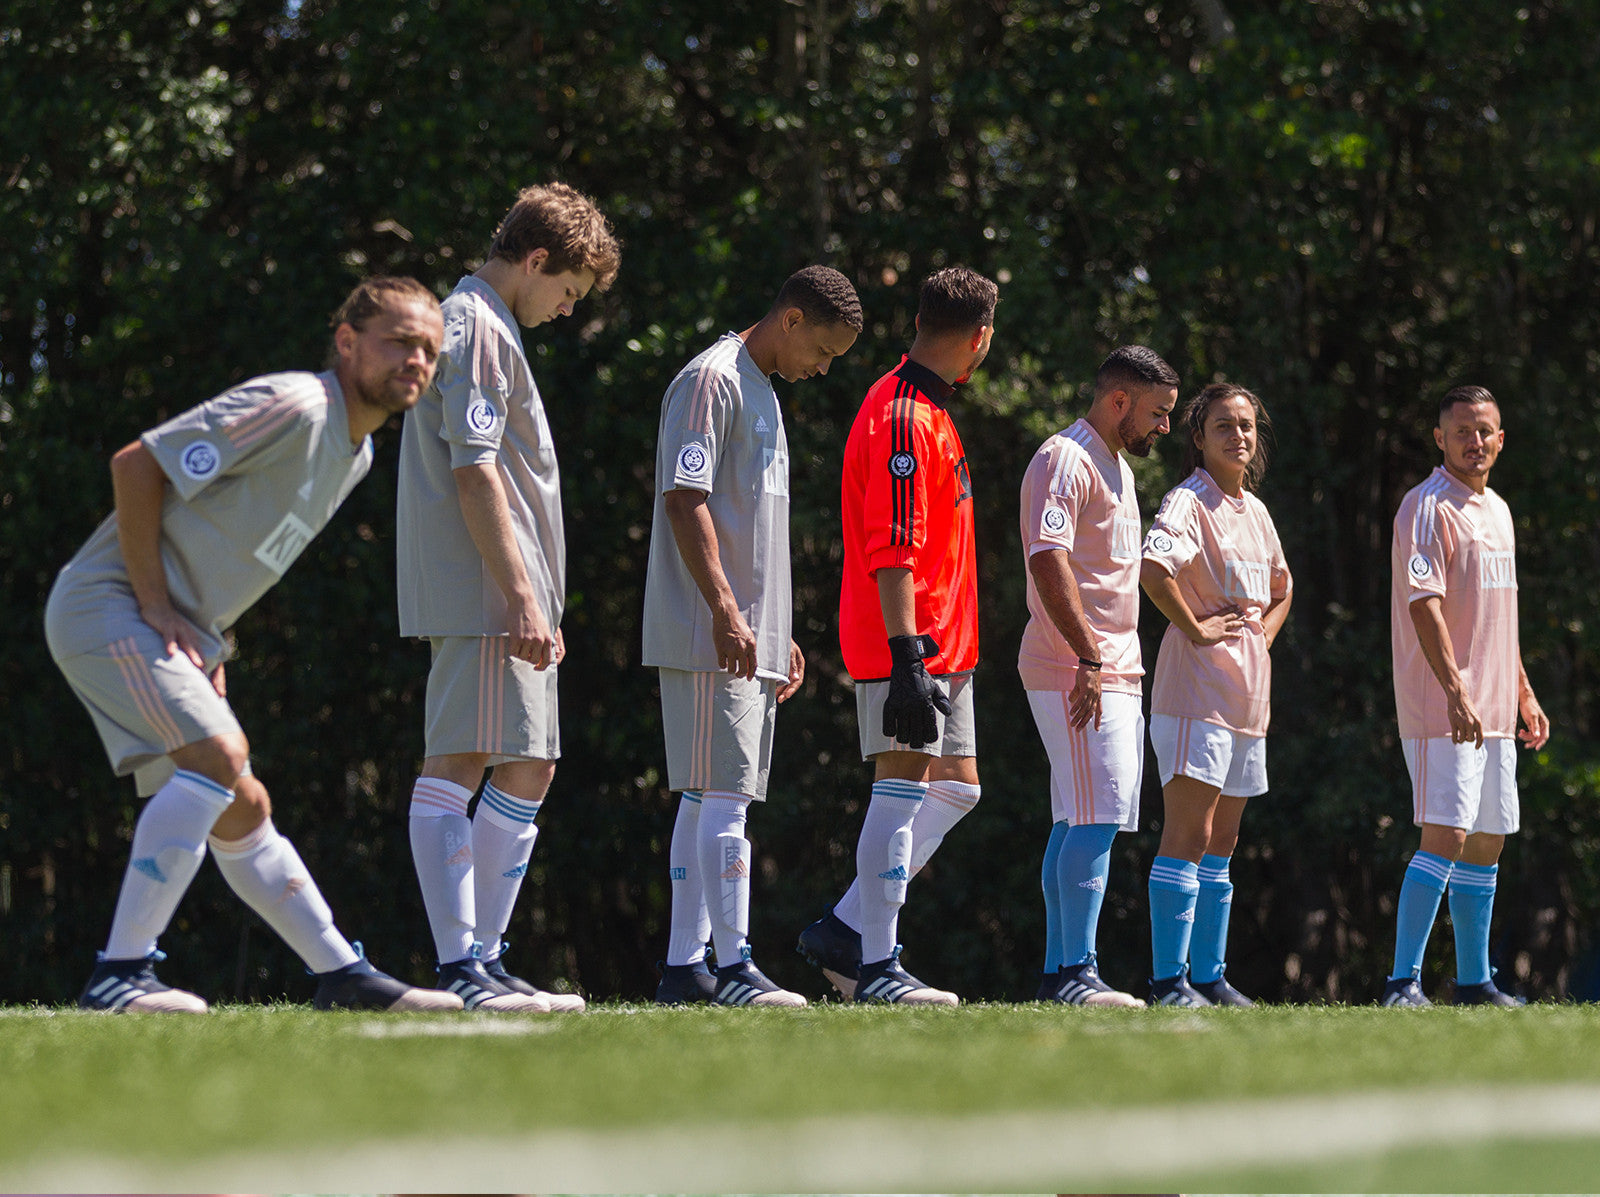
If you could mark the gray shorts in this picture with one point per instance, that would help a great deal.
(146, 704)
(482, 700)
(958, 732)
(718, 730)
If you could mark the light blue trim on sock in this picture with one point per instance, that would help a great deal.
(1426, 878)
(1050, 883)
(1471, 909)
(1083, 869)
(895, 787)
(205, 783)
(516, 810)
(1174, 887)
(691, 796)
(1208, 945)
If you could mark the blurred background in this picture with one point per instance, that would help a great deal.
(1345, 206)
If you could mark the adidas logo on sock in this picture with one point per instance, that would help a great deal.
(514, 873)
(1186, 916)
(291, 887)
(898, 873)
(735, 871)
(148, 866)
(461, 856)
(1098, 884)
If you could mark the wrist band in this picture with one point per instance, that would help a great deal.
(1092, 666)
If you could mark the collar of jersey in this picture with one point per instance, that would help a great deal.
(925, 380)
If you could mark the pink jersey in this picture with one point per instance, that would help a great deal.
(1078, 495)
(1453, 542)
(1222, 552)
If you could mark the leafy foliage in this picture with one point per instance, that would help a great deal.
(1346, 206)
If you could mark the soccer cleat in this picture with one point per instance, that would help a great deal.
(1049, 986)
(1176, 991)
(1403, 991)
(888, 983)
(1080, 985)
(743, 984)
(831, 945)
(559, 1003)
(131, 986)
(479, 991)
(1486, 994)
(685, 984)
(1220, 993)
(360, 986)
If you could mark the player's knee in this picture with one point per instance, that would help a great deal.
(222, 759)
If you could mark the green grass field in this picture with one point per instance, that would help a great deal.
(633, 1098)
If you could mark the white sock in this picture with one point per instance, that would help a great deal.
(264, 869)
(691, 921)
(883, 863)
(169, 842)
(947, 803)
(503, 833)
(441, 849)
(725, 872)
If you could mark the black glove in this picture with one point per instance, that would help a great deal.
(913, 695)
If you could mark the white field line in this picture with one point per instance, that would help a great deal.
(984, 1152)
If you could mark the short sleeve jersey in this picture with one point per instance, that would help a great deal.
(1222, 552)
(255, 473)
(1452, 542)
(483, 407)
(721, 432)
(906, 499)
(1079, 496)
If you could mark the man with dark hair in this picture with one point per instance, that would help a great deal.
(718, 616)
(1080, 660)
(908, 625)
(211, 508)
(482, 575)
(1459, 688)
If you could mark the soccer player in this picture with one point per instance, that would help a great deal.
(718, 614)
(1215, 569)
(1459, 687)
(211, 508)
(908, 625)
(1080, 652)
(482, 575)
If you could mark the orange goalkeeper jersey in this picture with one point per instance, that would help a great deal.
(907, 503)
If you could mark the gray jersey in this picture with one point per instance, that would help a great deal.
(256, 473)
(483, 407)
(721, 432)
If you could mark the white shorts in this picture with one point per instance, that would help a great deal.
(718, 729)
(146, 704)
(1234, 763)
(1095, 773)
(1461, 785)
(958, 731)
(482, 700)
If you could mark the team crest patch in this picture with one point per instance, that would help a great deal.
(1055, 520)
(1161, 542)
(694, 462)
(481, 416)
(902, 464)
(200, 460)
(1419, 567)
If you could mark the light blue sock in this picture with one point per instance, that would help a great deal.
(1426, 878)
(1081, 873)
(1471, 904)
(1208, 950)
(1174, 887)
(1050, 882)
